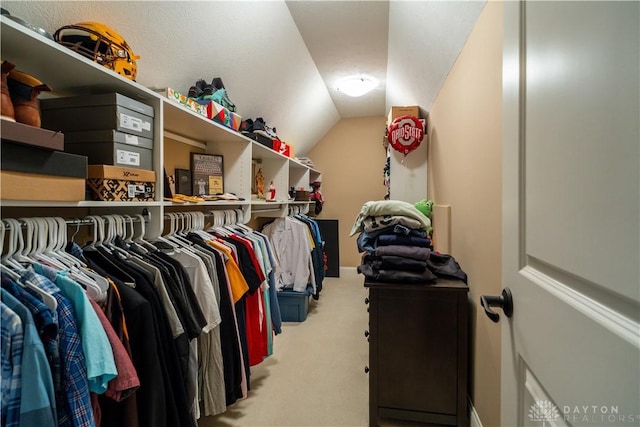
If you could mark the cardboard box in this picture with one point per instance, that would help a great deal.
(396, 112)
(30, 186)
(35, 160)
(111, 147)
(221, 115)
(31, 135)
(113, 183)
(264, 140)
(282, 147)
(182, 99)
(98, 112)
(207, 108)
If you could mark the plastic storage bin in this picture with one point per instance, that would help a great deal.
(294, 306)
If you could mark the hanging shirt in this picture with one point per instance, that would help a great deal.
(76, 403)
(12, 347)
(38, 400)
(291, 244)
(47, 326)
(101, 367)
(127, 380)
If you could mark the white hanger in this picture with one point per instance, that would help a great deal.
(139, 239)
(62, 243)
(14, 240)
(9, 272)
(8, 261)
(57, 241)
(43, 243)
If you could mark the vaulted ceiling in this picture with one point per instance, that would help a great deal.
(280, 59)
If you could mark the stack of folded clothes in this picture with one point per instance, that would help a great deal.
(395, 246)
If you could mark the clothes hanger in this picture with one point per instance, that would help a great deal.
(74, 265)
(5, 269)
(162, 242)
(184, 225)
(15, 230)
(139, 239)
(57, 240)
(43, 244)
(15, 257)
(30, 241)
(62, 243)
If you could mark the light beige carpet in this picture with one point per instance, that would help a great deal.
(316, 375)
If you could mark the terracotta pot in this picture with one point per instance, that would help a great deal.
(24, 90)
(7, 110)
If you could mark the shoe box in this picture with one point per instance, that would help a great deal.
(207, 108)
(114, 183)
(274, 144)
(111, 147)
(112, 111)
(399, 111)
(220, 114)
(21, 133)
(262, 139)
(29, 172)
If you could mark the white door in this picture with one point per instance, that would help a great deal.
(571, 214)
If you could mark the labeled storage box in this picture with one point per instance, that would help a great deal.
(31, 186)
(396, 112)
(113, 183)
(30, 135)
(98, 112)
(110, 147)
(294, 306)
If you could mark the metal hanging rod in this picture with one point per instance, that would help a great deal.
(76, 222)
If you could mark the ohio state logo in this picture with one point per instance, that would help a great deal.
(405, 134)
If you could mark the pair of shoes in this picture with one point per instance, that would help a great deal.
(197, 90)
(20, 96)
(214, 92)
(246, 126)
(259, 126)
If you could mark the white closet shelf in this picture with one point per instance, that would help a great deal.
(66, 72)
(70, 74)
(79, 204)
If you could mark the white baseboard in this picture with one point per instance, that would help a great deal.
(473, 415)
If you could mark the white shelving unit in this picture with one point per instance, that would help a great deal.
(69, 74)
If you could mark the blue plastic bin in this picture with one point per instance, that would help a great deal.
(294, 306)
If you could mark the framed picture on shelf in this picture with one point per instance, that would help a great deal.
(207, 177)
(183, 181)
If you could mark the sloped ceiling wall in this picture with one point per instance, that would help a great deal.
(276, 61)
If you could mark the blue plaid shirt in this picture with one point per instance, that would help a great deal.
(12, 345)
(75, 387)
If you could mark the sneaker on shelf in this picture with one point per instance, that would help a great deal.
(220, 96)
(194, 92)
(246, 126)
(208, 91)
(271, 132)
(200, 85)
(217, 83)
(258, 124)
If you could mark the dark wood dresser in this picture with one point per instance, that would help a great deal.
(418, 343)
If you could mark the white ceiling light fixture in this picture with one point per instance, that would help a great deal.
(357, 85)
